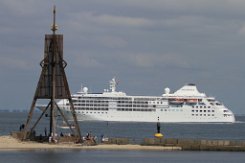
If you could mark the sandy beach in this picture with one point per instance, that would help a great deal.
(10, 143)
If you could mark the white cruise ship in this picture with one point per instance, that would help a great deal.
(185, 105)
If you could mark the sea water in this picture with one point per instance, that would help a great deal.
(135, 132)
(99, 156)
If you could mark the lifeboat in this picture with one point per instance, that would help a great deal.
(192, 101)
(176, 101)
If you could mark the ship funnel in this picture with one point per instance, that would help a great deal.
(113, 84)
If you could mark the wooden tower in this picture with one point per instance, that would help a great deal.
(52, 85)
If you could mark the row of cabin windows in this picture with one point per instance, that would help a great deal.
(227, 115)
(116, 99)
(92, 109)
(89, 101)
(202, 114)
(176, 105)
(91, 112)
(202, 110)
(91, 105)
(103, 98)
(174, 110)
(99, 105)
(119, 102)
(134, 102)
(201, 106)
(158, 102)
(142, 106)
(145, 110)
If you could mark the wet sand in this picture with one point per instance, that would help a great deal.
(10, 143)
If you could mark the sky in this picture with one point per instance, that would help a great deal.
(147, 45)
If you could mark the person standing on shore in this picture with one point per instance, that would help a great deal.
(45, 131)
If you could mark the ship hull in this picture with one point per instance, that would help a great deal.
(172, 117)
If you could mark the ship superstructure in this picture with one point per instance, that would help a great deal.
(184, 105)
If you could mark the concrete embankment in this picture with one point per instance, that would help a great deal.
(198, 145)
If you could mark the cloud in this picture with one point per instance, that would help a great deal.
(113, 20)
(137, 39)
(82, 60)
(7, 63)
(24, 7)
(92, 18)
(157, 60)
(241, 30)
(111, 41)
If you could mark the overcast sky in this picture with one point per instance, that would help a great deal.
(146, 44)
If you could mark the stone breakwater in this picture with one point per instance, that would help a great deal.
(198, 145)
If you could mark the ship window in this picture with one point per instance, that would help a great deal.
(208, 114)
(196, 106)
(200, 110)
(208, 110)
(200, 106)
(196, 110)
(192, 110)
(212, 110)
(192, 106)
(212, 114)
(208, 106)
(204, 110)
(200, 114)
(196, 114)
(192, 114)
(204, 114)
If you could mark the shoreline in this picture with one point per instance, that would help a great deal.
(8, 143)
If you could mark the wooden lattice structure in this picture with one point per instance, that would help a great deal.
(52, 85)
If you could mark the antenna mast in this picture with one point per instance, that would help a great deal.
(54, 26)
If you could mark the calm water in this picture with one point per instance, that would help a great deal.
(120, 157)
(136, 132)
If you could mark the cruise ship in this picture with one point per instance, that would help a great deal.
(186, 105)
